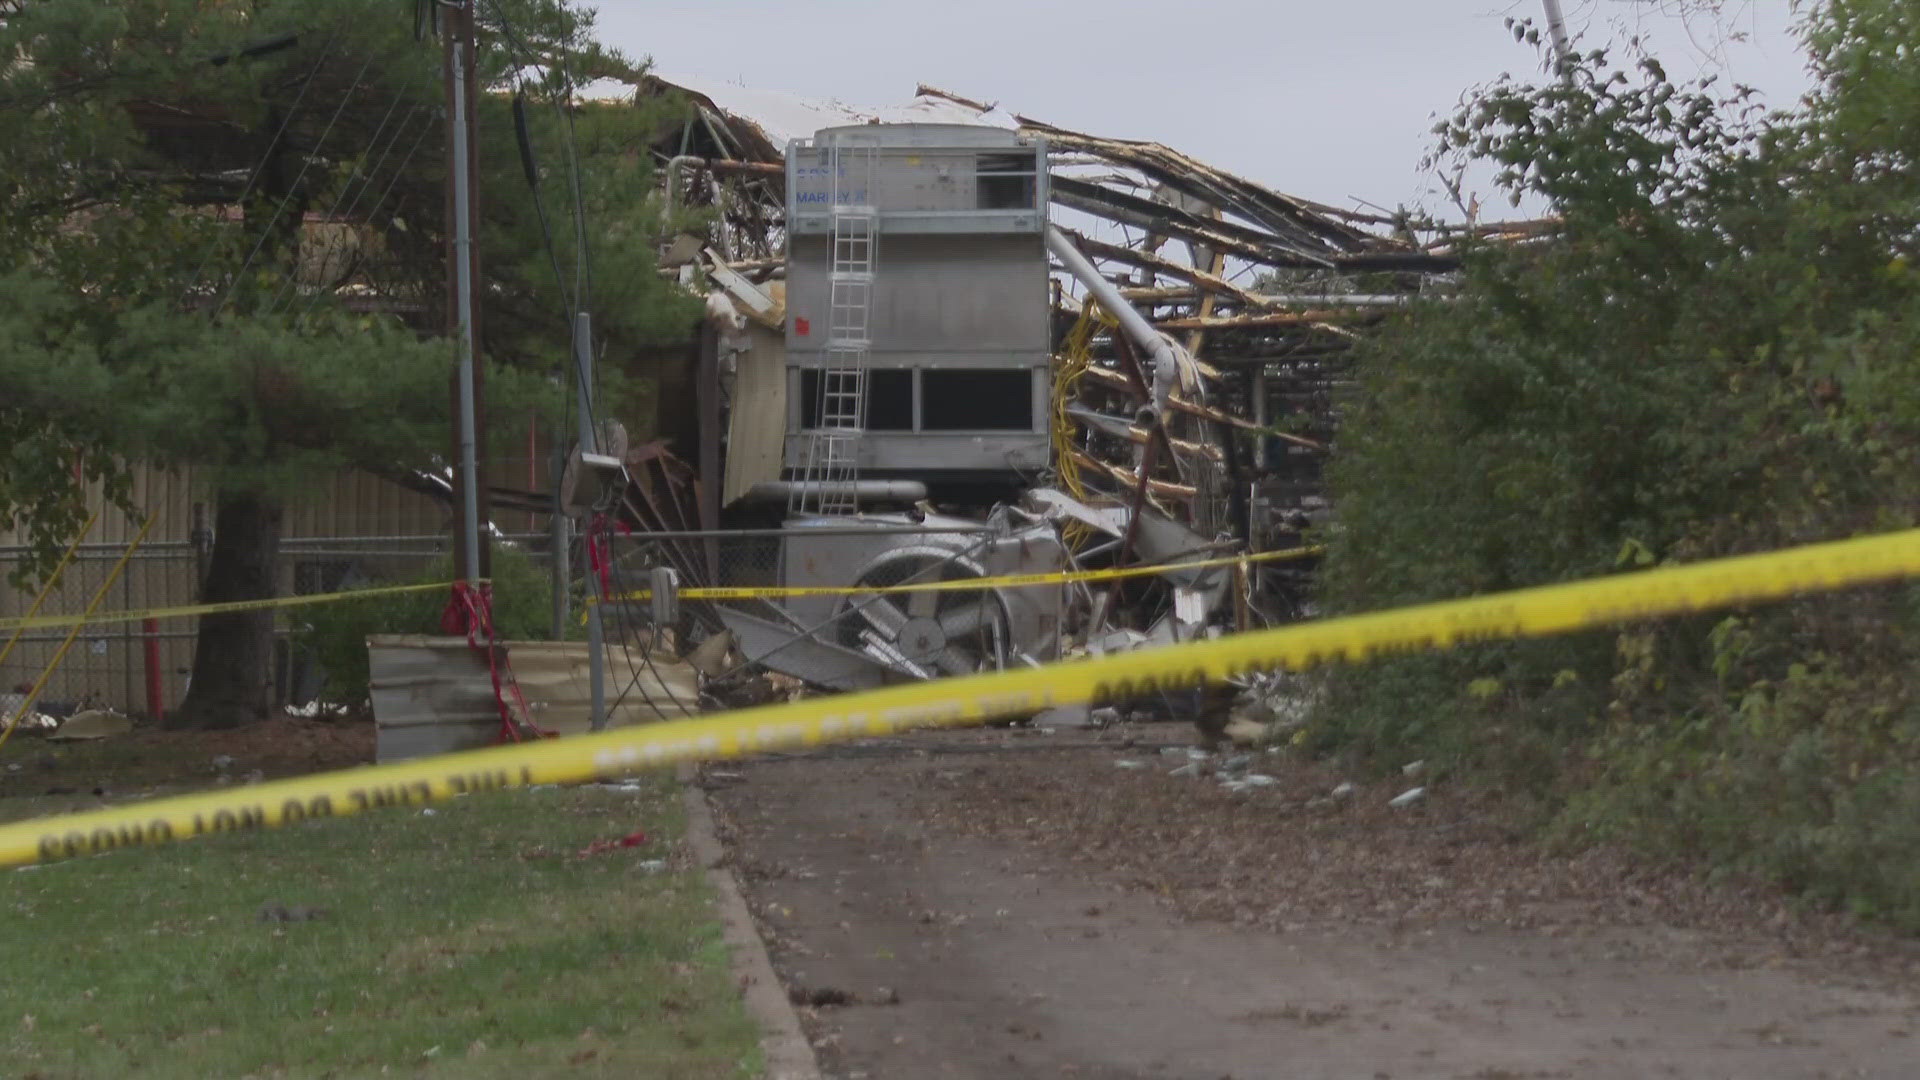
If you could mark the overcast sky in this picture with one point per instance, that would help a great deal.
(1327, 100)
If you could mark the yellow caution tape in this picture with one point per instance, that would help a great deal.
(974, 699)
(1004, 581)
(225, 608)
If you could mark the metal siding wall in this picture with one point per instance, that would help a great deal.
(108, 662)
(962, 296)
(952, 296)
(758, 423)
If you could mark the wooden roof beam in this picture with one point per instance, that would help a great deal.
(1160, 264)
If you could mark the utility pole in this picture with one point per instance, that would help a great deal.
(471, 561)
(596, 629)
(1557, 30)
(560, 538)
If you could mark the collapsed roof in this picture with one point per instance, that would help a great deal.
(1264, 288)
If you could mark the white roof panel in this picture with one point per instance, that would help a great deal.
(785, 117)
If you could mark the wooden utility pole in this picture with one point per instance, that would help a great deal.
(471, 554)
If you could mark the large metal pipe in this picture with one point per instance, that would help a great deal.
(596, 631)
(673, 173)
(865, 490)
(1161, 350)
(1557, 29)
(463, 287)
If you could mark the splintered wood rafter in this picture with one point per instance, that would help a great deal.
(1114, 380)
(1159, 264)
(1284, 214)
(1159, 488)
(1138, 435)
(1161, 219)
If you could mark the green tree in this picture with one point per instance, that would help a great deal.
(171, 301)
(1715, 354)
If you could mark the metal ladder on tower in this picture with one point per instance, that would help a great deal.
(831, 464)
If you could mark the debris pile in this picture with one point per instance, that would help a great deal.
(1201, 325)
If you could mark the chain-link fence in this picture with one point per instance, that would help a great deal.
(142, 666)
(108, 663)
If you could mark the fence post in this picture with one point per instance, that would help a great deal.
(156, 705)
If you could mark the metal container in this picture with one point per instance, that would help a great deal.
(957, 348)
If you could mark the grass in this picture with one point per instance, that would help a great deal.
(475, 941)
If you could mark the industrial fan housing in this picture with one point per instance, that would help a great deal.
(898, 632)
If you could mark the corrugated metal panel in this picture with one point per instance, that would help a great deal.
(433, 695)
(757, 429)
(357, 504)
(107, 664)
(345, 503)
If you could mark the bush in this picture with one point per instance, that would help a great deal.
(1716, 354)
(336, 634)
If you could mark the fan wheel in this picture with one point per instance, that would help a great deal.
(925, 634)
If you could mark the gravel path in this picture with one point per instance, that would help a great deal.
(1007, 904)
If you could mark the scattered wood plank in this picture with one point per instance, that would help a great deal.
(1159, 488)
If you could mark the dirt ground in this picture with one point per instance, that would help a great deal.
(1011, 904)
(153, 761)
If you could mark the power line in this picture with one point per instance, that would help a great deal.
(577, 354)
(266, 158)
(581, 301)
(582, 271)
(583, 275)
(646, 654)
(267, 229)
(365, 177)
(392, 182)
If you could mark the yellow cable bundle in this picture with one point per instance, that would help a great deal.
(1075, 355)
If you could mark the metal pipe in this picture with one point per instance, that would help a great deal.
(1557, 29)
(1164, 353)
(673, 169)
(810, 530)
(561, 575)
(156, 699)
(1133, 522)
(463, 287)
(879, 490)
(596, 629)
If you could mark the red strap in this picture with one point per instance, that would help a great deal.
(470, 611)
(600, 553)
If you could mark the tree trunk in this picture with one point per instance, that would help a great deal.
(233, 654)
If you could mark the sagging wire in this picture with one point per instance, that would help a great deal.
(266, 230)
(580, 298)
(580, 301)
(646, 656)
(601, 560)
(392, 182)
(291, 284)
(266, 157)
